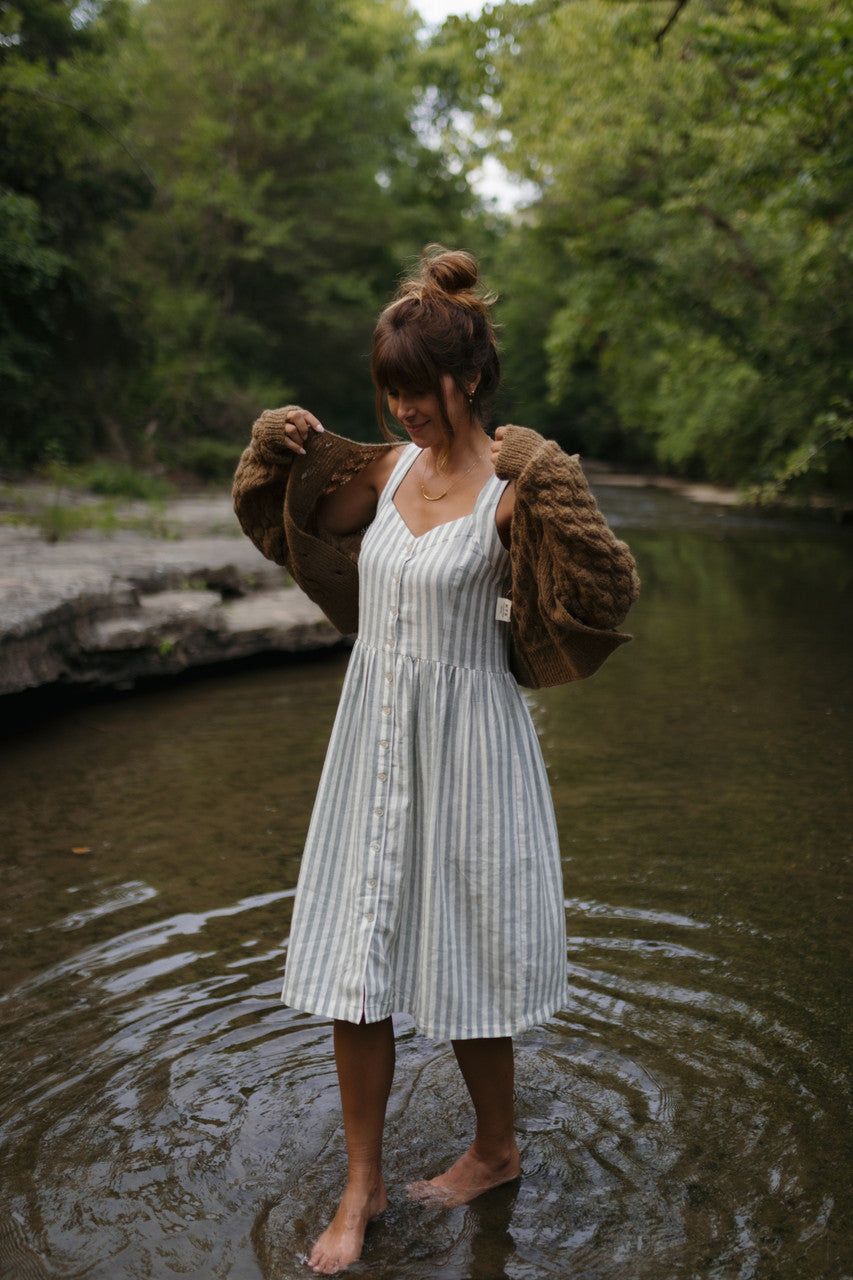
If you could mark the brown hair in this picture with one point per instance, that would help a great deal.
(438, 323)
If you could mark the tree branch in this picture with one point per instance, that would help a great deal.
(87, 115)
(748, 265)
(670, 22)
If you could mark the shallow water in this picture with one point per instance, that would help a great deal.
(686, 1116)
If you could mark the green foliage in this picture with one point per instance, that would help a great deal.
(203, 205)
(65, 178)
(291, 183)
(693, 228)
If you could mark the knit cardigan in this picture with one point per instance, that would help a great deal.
(572, 581)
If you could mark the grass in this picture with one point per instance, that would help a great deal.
(57, 521)
(61, 500)
(109, 480)
(118, 480)
(65, 507)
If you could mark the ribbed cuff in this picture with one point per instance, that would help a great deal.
(522, 448)
(518, 448)
(270, 438)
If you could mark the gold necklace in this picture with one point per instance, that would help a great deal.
(438, 496)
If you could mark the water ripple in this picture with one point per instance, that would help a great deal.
(162, 1113)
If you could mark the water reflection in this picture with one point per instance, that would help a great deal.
(685, 1114)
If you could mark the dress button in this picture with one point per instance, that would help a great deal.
(396, 577)
(382, 777)
(384, 744)
(369, 916)
(372, 882)
(393, 612)
(379, 812)
(375, 847)
(386, 710)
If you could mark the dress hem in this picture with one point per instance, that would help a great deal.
(432, 1031)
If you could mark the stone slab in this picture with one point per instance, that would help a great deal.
(108, 611)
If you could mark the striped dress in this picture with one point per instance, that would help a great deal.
(431, 882)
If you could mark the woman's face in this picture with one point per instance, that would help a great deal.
(421, 416)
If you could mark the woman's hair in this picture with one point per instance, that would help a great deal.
(438, 324)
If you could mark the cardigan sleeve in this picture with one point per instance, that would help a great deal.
(260, 484)
(564, 555)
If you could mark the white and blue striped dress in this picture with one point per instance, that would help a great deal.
(431, 882)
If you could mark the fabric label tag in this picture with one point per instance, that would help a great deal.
(503, 610)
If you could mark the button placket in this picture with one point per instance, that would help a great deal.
(382, 867)
(383, 819)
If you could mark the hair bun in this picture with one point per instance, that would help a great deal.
(438, 324)
(451, 270)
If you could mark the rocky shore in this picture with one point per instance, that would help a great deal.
(105, 611)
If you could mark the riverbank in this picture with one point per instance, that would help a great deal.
(143, 593)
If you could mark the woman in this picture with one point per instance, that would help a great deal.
(431, 879)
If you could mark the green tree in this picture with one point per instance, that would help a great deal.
(694, 164)
(65, 176)
(292, 182)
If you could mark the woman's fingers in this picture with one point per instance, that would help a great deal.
(298, 424)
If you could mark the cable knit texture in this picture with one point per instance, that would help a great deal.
(572, 579)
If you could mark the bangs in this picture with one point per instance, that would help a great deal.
(402, 362)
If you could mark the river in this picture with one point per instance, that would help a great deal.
(686, 1115)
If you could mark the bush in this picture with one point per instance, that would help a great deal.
(212, 460)
(120, 480)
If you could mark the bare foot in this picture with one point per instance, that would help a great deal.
(341, 1243)
(468, 1178)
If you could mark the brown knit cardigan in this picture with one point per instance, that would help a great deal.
(572, 580)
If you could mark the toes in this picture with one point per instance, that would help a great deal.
(321, 1264)
(429, 1193)
(325, 1266)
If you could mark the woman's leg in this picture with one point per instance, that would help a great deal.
(488, 1070)
(364, 1055)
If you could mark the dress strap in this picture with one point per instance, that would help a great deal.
(407, 457)
(485, 511)
(488, 498)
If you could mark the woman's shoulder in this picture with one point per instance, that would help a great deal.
(381, 467)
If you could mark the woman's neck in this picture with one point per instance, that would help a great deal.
(466, 448)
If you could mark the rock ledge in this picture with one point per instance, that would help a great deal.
(107, 612)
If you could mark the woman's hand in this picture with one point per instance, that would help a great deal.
(298, 424)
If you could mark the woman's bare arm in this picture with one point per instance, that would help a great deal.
(353, 506)
(506, 505)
